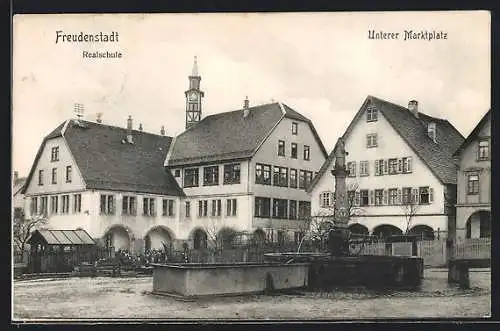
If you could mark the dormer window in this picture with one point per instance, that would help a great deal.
(431, 131)
(484, 149)
(371, 114)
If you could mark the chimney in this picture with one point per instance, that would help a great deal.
(99, 120)
(413, 107)
(129, 130)
(162, 131)
(246, 109)
(431, 131)
(140, 127)
(16, 176)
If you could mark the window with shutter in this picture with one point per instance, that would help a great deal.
(385, 198)
(409, 164)
(431, 195)
(400, 194)
(386, 166)
(400, 165)
(372, 197)
(377, 168)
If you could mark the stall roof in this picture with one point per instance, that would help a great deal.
(63, 237)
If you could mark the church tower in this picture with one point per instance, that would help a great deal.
(193, 97)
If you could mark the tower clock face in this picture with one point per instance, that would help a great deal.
(193, 96)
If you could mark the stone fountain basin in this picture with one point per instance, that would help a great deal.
(193, 280)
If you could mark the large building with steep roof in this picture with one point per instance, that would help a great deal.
(245, 170)
(402, 176)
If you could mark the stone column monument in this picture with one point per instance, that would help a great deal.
(339, 236)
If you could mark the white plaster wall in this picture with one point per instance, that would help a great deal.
(390, 145)
(45, 163)
(139, 224)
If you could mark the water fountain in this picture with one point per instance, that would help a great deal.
(339, 266)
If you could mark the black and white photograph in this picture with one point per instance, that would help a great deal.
(292, 166)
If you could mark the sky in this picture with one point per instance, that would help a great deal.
(322, 65)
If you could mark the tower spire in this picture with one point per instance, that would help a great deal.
(195, 67)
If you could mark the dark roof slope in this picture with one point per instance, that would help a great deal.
(107, 163)
(437, 156)
(18, 185)
(229, 135)
(474, 133)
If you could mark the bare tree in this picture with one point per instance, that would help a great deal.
(213, 236)
(410, 207)
(24, 226)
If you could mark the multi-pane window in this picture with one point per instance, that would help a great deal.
(168, 207)
(325, 199)
(380, 167)
(363, 168)
(407, 195)
(188, 209)
(65, 204)
(393, 196)
(54, 175)
(129, 205)
(54, 154)
(407, 166)
(371, 114)
(393, 166)
(191, 177)
(69, 173)
(43, 205)
(107, 205)
(293, 153)
(77, 203)
(281, 147)
(262, 207)
(379, 196)
(484, 150)
(295, 128)
(292, 212)
(280, 207)
(371, 140)
(305, 178)
(231, 207)
(304, 210)
(351, 168)
(54, 201)
(293, 178)
(148, 207)
(211, 175)
(232, 173)
(216, 207)
(202, 208)
(473, 184)
(425, 195)
(280, 176)
(40, 177)
(307, 153)
(34, 206)
(363, 198)
(262, 174)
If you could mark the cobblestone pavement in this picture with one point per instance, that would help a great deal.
(88, 298)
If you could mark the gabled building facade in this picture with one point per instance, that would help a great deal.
(473, 158)
(245, 170)
(107, 180)
(401, 173)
